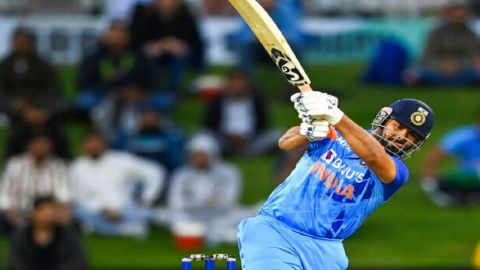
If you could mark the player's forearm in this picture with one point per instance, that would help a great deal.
(292, 139)
(367, 148)
(362, 143)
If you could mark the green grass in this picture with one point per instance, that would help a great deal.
(407, 232)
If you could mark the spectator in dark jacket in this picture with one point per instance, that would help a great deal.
(28, 82)
(167, 31)
(156, 138)
(44, 244)
(450, 52)
(238, 117)
(111, 67)
(30, 96)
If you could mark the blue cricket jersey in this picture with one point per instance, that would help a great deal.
(330, 192)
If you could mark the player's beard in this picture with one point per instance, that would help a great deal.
(390, 144)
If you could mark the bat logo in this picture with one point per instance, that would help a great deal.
(285, 65)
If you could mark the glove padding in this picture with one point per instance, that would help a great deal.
(317, 105)
(315, 130)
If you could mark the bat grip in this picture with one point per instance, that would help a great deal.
(305, 88)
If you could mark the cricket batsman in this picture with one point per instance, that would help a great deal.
(335, 186)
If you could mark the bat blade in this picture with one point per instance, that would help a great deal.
(273, 41)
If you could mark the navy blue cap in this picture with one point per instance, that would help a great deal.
(415, 115)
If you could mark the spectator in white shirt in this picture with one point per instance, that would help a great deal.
(103, 185)
(31, 174)
(206, 192)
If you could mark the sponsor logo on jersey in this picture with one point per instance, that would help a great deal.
(329, 156)
(331, 176)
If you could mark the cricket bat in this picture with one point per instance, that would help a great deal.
(276, 45)
(273, 41)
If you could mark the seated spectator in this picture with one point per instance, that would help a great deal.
(27, 81)
(37, 121)
(45, 243)
(37, 172)
(168, 32)
(450, 52)
(156, 139)
(112, 67)
(460, 186)
(207, 191)
(238, 118)
(103, 184)
(30, 97)
(250, 51)
(122, 113)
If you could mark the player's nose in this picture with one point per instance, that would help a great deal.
(402, 132)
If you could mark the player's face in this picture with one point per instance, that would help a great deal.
(398, 135)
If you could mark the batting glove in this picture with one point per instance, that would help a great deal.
(315, 130)
(317, 105)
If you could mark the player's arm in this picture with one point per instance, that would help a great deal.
(292, 139)
(299, 136)
(323, 106)
(368, 149)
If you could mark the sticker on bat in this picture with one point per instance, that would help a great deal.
(287, 67)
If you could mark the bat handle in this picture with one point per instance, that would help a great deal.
(305, 88)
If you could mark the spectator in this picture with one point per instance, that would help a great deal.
(167, 31)
(238, 117)
(122, 113)
(460, 186)
(30, 96)
(28, 82)
(111, 68)
(45, 243)
(450, 52)
(36, 121)
(156, 139)
(37, 172)
(103, 189)
(207, 191)
(247, 45)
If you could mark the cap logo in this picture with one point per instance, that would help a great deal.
(419, 117)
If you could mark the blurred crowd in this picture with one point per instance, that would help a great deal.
(450, 56)
(367, 8)
(137, 166)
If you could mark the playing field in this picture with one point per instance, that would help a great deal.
(408, 232)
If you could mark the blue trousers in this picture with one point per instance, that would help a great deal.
(267, 244)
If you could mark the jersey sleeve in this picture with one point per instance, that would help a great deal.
(400, 179)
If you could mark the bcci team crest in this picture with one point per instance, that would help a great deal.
(419, 117)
